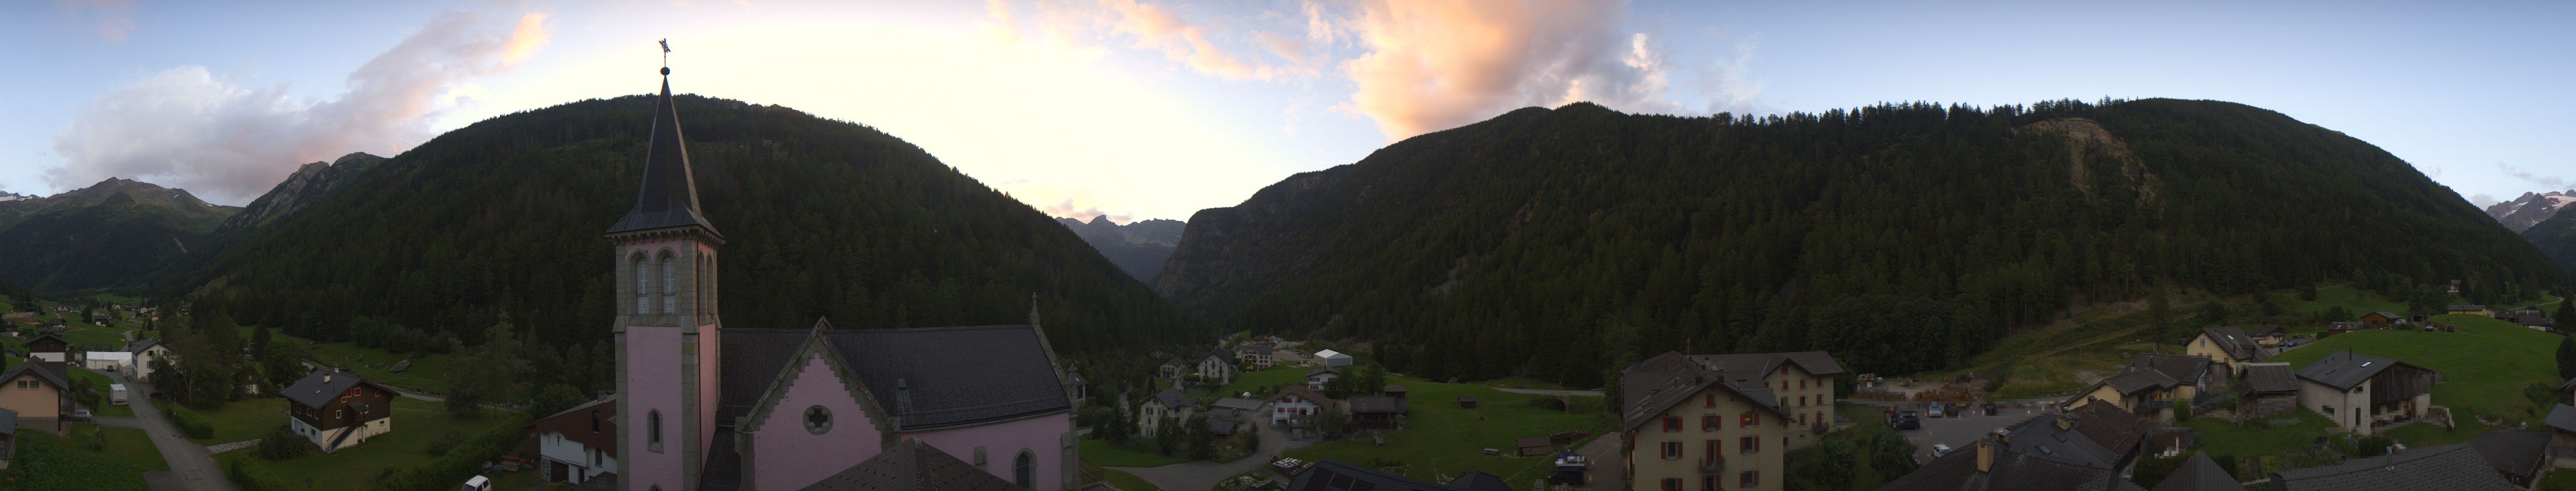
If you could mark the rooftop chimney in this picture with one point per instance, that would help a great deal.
(1985, 454)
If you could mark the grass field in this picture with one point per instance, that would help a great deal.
(1254, 381)
(2218, 437)
(2353, 300)
(128, 445)
(2485, 365)
(1444, 440)
(249, 419)
(2425, 434)
(1114, 455)
(101, 382)
(427, 374)
(417, 424)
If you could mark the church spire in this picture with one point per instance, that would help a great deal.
(669, 195)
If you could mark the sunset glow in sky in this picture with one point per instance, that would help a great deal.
(1155, 109)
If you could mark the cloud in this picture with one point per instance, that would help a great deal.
(2551, 182)
(1434, 64)
(2483, 200)
(228, 142)
(1159, 28)
(110, 20)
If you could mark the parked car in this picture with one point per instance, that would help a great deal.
(478, 483)
(1940, 449)
(1908, 420)
(1939, 410)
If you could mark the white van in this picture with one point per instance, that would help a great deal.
(116, 394)
(478, 483)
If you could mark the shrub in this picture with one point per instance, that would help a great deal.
(251, 476)
(446, 442)
(1551, 403)
(188, 422)
(283, 443)
(462, 462)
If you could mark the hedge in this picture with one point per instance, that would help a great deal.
(252, 476)
(463, 462)
(188, 422)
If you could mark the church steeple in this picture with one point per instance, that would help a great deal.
(669, 198)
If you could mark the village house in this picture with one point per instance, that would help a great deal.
(145, 351)
(338, 410)
(2334, 328)
(702, 406)
(2534, 319)
(1378, 412)
(1167, 409)
(1172, 369)
(1296, 406)
(2150, 385)
(19, 317)
(2561, 423)
(2199, 473)
(2453, 467)
(2269, 335)
(39, 393)
(1216, 368)
(1322, 378)
(1232, 416)
(1721, 421)
(1256, 355)
(2471, 310)
(2361, 393)
(2227, 346)
(2381, 320)
(2268, 389)
(50, 348)
(577, 445)
(2078, 449)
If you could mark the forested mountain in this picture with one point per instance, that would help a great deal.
(2530, 208)
(821, 218)
(1560, 243)
(2555, 237)
(306, 185)
(1138, 248)
(105, 235)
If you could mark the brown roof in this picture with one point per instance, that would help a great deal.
(1655, 392)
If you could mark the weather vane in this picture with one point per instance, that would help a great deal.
(666, 56)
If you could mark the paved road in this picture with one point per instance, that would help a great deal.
(1202, 475)
(1601, 459)
(1585, 393)
(192, 468)
(1960, 431)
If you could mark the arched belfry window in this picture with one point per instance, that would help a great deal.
(643, 285)
(1024, 470)
(670, 294)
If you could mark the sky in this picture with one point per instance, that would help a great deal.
(1139, 109)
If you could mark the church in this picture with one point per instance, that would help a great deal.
(705, 407)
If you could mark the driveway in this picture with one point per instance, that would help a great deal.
(1960, 431)
(1200, 475)
(1601, 460)
(192, 468)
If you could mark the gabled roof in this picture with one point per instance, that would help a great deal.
(1236, 403)
(31, 342)
(930, 377)
(1302, 392)
(2383, 313)
(51, 372)
(1323, 370)
(913, 466)
(2343, 326)
(2141, 380)
(2513, 453)
(2267, 330)
(2233, 340)
(1760, 365)
(1478, 481)
(583, 406)
(2270, 377)
(2448, 467)
(142, 344)
(2199, 474)
(1173, 398)
(1334, 475)
(2345, 369)
(317, 388)
(1670, 378)
(2011, 471)
(2562, 417)
(668, 197)
(2183, 369)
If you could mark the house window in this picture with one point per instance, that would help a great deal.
(1750, 479)
(1024, 469)
(670, 294)
(1749, 445)
(1672, 450)
(653, 427)
(2329, 410)
(1748, 420)
(1802, 400)
(1707, 483)
(1709, 422)
(1672, 484)
(643, 285)
(1712, 399)
(1713, 454)
(594, 421)
(1672, 424)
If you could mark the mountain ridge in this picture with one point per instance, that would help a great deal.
(102, 236)
(1139, 247)
(308, 183)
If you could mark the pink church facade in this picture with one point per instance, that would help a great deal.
(704, 407)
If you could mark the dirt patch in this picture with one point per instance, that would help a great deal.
(2086, 138)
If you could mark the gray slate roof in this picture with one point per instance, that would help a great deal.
(2345, 369)
(2199, 474)
(2233, 340)
(953, 376)
(2562, 417)
(2513, 453)
(2448, 467)
(141, 344)
(669, 195)
(1334, 475)
(1173, 398)
(2132, 382)
(2012, 471)
(2270, 377)
(914, 466)
(1762, 364)
(314, 391)
(1236, 403)
(48, 371)
(1656, 384)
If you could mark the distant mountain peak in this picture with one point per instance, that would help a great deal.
(2530, 208)
(301, 189)
(1138, 247)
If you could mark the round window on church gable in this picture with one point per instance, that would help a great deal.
(818, 420)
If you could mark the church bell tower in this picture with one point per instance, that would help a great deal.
(666, 332)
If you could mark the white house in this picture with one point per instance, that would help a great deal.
(1332, 358)
(577, 444)
(1216, 369)
(144, 352)
(1321, 377)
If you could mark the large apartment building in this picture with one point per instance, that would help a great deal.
(1721, 422)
